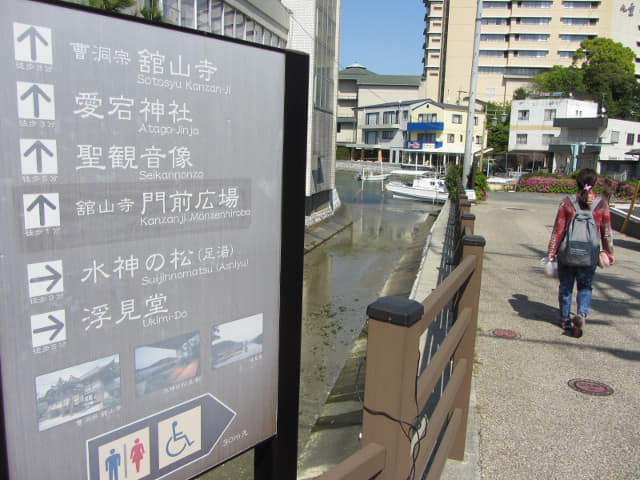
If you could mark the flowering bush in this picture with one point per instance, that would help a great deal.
(547, 184)
(557, 183)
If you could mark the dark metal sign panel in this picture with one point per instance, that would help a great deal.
(140, 265)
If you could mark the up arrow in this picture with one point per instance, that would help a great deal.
(32, 34)
(41, 201)
(38, 147)
(54, 278)
(36, 91)
(56, 327)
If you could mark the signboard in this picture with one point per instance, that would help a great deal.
(140, 266)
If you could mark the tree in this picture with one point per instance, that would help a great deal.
(602, 70)
(112, 5)
(151, 12)
(498, 126)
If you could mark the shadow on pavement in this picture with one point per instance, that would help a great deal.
(633, 355)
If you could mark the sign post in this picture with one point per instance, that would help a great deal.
(149, 200)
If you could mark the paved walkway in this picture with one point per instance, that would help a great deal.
(531, 424)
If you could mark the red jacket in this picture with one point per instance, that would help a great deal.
(602, 219)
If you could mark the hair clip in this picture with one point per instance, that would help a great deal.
(588, 187)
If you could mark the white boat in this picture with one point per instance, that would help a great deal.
(426, 189)
(368, 175)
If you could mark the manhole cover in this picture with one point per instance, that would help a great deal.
(590, 387)
(508, 334)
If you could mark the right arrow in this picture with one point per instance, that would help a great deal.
(32, 34)
(56, 327)
(38, 147)
(54, 278)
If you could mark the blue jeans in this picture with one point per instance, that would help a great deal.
(582, 276)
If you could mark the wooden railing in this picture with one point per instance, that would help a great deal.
(399, 442)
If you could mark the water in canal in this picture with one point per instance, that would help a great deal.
(341, 277)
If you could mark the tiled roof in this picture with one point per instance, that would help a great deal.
(365, 77)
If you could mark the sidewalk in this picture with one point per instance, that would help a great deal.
(531, 424)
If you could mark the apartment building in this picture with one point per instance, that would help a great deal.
(564, 134)
(415, 132)
(358, 87)
(519, 39)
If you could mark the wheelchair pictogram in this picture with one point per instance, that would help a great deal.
(177, 442)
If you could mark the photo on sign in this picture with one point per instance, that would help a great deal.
(236, 340)
(166, 363)
(66, 395)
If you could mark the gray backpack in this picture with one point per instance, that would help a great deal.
(580, 246)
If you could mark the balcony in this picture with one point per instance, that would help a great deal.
(425, 126)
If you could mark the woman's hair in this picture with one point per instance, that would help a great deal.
(586, 180)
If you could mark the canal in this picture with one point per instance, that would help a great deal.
(341, 277)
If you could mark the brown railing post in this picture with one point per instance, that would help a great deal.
(389, 395)
(472, 245)
(467, 221)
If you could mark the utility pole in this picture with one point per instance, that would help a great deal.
(468, 144)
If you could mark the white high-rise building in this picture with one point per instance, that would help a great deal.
(519, 39)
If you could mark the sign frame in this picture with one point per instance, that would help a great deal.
(276, 457)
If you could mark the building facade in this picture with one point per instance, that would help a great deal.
(519, 39)
(315, 29)
(564, 134)
(358, 87)
(415, 132)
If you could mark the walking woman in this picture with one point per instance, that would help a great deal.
(581, 275)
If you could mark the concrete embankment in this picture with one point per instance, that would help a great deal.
(336, 434)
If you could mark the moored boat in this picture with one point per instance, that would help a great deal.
(426, 189)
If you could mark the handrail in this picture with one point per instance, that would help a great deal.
(395, 393)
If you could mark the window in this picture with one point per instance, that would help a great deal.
(521, 139)
(534, 20)
(533, 53)
(547, 138)
(427, 137)
(536, 4)
(478, 140)
(495, 4)
(565, 53)
(371, 138)
(574, 38)
(405, 115)
(456, 118)
(492, 53)
(523, 114)
(533, 37)
(575, 21)
(240, 23)
(549, 114)
(579, 4)
(475, 120)
(638, 138)
(389, 118)
(372, 118)
(615, 136)
(492, 70)
(451, 138)
(494, 21)
(216, 16)
(387, 134)
(630, 138)
(229, 21)
(493, 37)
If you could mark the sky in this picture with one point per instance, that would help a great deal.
(384, 36)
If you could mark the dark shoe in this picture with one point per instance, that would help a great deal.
(566, 324)
(578, 323)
